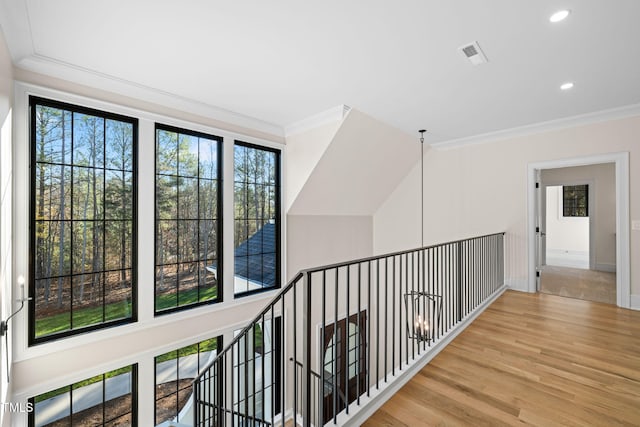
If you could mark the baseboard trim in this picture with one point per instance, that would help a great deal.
(518, 285)
(609, 268)
(369, 405)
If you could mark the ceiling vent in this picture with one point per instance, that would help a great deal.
(473, 53)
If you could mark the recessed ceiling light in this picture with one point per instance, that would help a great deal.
(559, 15)
(566, 86)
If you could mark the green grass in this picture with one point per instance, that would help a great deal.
(83, 383)
(165, 301)
(206, 345)
(86, 316)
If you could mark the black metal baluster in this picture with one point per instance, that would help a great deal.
(359, 337)
(393, 316)
(335, 353)
(377, 323)
(295, 355)
(386, 313)
(346, 332)
(368, 348)
(322, 344)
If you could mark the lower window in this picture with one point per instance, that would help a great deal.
(107, 399)
(175, 372)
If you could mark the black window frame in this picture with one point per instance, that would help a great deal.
(219, 220)
(219, 348)
(35, 101)
(571, 201)
(134, 398)
(278, 216)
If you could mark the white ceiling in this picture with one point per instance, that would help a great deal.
(282, 61)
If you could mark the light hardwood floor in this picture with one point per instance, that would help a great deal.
(530, 359)
(579, 283)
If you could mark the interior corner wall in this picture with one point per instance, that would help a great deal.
(603, 177)
(6, 103)
(317, 240)
(304, 150)
(482, 188)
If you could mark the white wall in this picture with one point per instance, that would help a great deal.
(564, 233)
(482, 188)
(314, 240)
(304, 150)
(602, 178)
(6, 101)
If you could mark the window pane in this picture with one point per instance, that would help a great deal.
(88, 140)
(61, 399)
(82, 174)
(187, 155)
(256, 191)
(104, 400)
(175, 372)
(191, 198)
(166, 152)
(119, 145)
(575, 200)
(118, 290)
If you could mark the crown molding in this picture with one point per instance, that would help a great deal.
(79, 75)
(551, 125)
(334, 114)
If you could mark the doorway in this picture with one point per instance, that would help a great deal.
(345, 369)
(578, 246)
(619, 238)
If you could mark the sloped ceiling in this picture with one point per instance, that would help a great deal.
(363, 164)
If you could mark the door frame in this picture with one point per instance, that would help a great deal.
(623, 262)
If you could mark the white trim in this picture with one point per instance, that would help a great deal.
(334, 114)
(635, 302)
(563, 123)
(79, 75)
(369, 405)
(623, 257)
(609, 268)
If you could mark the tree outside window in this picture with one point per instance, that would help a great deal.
(257, 218)
(83, 210)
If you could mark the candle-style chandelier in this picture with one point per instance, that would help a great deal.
(424, 312)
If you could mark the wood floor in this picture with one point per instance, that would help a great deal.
(530, 359)
(579, 283)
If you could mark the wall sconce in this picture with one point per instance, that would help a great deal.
(424, 312)
(4, 325)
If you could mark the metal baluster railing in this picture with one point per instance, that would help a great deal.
(348, 328)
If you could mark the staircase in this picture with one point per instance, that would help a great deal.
(336, 337)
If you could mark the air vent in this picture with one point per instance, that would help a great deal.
(473, 53)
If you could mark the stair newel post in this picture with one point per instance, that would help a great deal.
(306, 345)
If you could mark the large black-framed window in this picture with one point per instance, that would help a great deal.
(83, 212)
(257, 221)
(575, 200)
(108, 399)
(174, 374)
(188, 220)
